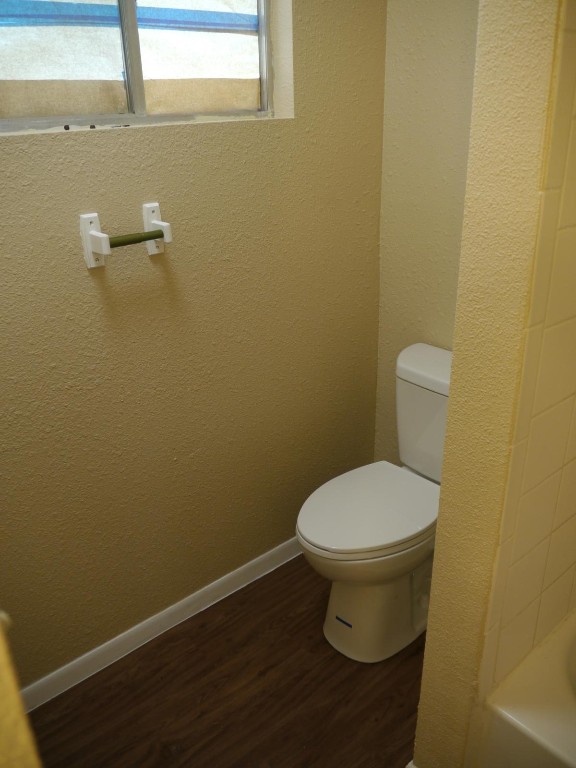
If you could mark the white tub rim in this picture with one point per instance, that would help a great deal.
(538, 698)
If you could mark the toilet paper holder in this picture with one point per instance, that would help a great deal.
(97, 244)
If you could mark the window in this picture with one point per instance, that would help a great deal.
(63, 59)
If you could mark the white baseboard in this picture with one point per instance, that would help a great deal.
(84, 666)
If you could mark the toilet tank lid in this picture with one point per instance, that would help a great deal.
(426, 366)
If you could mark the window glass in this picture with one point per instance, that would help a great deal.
(66, 57)
(199, 56)
(60, 57)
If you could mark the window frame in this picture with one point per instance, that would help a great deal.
(134, 83)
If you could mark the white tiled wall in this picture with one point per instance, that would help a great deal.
(535, 580)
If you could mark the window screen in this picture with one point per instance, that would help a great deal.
(85, 57)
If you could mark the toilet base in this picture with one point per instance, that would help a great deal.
(370, 623)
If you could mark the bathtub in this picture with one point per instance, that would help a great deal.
(532, 713)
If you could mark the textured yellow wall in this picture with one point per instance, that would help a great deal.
(427, 101)
(17, 747)
(535, 581)
(511, 90)
(163, 420)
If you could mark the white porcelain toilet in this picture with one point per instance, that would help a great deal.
(371, 531)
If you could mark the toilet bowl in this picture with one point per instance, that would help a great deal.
(371, 531)
(378, 556)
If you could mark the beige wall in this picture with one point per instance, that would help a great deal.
(17, 747)
(535, 583)
(514, 59)
(427, 100)
(164, 420)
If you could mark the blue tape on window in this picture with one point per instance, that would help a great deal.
(34, 13)
(177, 18)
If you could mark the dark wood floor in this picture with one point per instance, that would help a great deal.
(249, 682)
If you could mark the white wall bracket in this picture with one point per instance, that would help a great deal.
(97, 245)
(151, 216)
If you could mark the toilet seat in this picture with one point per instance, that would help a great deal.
(370, 512)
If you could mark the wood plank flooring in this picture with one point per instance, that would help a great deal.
(248, 683)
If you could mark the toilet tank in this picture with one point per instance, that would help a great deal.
(422, 383)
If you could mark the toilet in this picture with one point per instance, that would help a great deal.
(371, 530)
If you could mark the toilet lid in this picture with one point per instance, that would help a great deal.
(376, 507)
